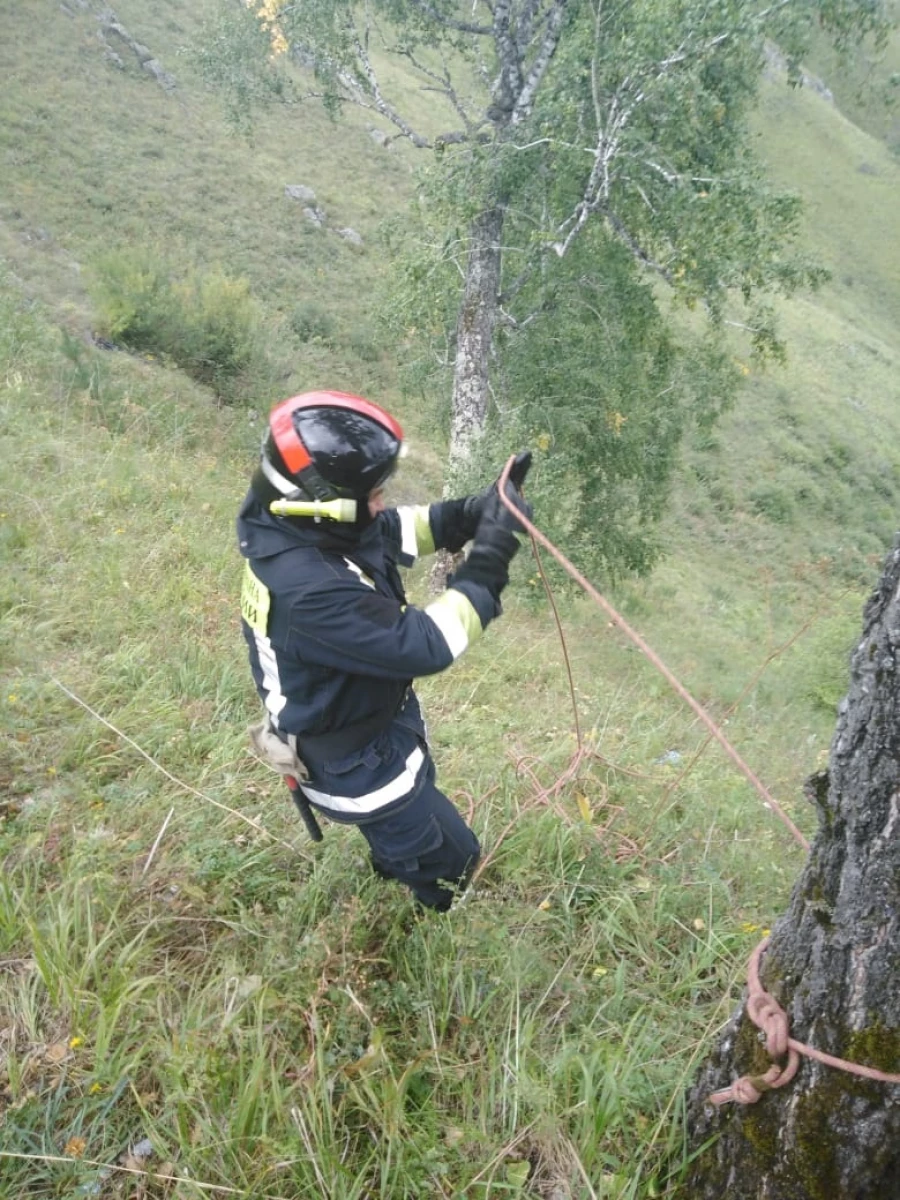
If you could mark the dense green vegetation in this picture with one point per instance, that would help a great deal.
(580, 159)
(177, 963)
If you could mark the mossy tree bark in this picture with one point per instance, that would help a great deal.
(833, 963)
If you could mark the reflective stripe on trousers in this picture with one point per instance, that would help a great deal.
(400, 786)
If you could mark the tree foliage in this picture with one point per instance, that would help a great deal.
(596, 163)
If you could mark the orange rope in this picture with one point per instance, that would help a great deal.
(767, 1014)
(654, 658)
(763, 1009)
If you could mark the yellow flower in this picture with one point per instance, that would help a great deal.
(75, 1042)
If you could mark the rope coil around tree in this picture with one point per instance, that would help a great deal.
(762, 1008)
(767, 1014)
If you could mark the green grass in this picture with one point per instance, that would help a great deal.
(177, 963)
(236, 997)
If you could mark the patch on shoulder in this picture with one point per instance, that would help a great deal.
(256, 600)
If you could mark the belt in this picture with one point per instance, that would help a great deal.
(338, 743)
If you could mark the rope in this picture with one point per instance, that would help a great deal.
(654, 658)
(767, 1014)
(763, 1009)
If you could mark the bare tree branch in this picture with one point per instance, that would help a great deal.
(443, 85)
(525, 100)
(452, 23)
(378, 101)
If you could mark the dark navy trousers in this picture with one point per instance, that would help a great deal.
(426, 845)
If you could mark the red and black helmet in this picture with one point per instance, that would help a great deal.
(329, 446)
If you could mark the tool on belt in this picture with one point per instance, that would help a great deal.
(304, 808)
(285, 753)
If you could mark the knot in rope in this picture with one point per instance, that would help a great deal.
(767, 1015)
(749, 1088)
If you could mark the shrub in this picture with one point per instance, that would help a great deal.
(219, 329)
(363, 342)
(207, 323)
(824, 668)
(771, 502)
(310, 322)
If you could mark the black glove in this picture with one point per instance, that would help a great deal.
(496, 514)
(473, 507)
(495, 544)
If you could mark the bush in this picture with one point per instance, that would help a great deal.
(205, 322)
(824, 669)
(363, 342)
(310, 322)
(772, 502)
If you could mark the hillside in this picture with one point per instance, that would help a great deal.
(181, 970)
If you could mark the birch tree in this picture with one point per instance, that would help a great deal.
(615, 128)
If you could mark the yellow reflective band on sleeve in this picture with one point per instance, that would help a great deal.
(457, 620)
(416, 537)
(255, 602)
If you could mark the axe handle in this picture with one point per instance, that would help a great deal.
(303, 807)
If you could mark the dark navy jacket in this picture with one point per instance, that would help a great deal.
(333, 642)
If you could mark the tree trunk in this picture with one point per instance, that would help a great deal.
(833, 964)
(474, 336)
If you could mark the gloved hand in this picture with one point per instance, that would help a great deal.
(495, 544)
(495, 512)
(473, 507)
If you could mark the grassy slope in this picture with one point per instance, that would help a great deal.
(795, 495)
(271, 1019)
(864, 84)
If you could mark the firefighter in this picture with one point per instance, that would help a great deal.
(333, 644)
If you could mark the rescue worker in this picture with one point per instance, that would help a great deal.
(333, 644)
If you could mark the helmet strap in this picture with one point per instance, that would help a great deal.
(279, 482)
